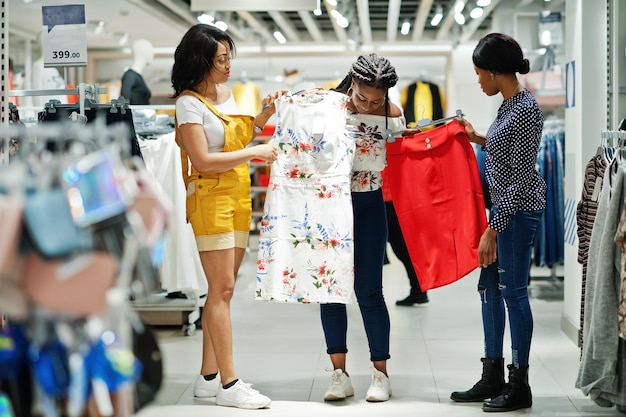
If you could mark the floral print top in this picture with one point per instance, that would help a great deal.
(370, 134)
(306, 248)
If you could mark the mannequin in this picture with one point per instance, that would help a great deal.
(134, 87)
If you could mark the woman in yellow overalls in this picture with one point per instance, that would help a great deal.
(213, 139)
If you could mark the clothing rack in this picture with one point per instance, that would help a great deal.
(181, 300)
(548, 257)
(84, 91)
(156, 309)
(118, 244)
(601, 251)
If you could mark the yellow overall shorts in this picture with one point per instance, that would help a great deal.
(219, 206)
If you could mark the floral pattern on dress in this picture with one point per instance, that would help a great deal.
(306, 239)
(370, 158)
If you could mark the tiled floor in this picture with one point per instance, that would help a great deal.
(435, 349)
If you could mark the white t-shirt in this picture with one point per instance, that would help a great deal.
(190, 109)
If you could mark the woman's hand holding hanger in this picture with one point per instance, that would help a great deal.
(265, 152)
(471, 133)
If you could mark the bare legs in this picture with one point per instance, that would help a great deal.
(220, 268)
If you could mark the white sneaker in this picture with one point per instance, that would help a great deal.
(205, 389)
(380, 390)
(340, 386)
(242, 395)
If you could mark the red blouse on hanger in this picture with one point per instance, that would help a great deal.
(437, 194)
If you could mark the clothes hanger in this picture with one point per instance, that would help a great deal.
(302, 86)
(122, 103)
(297, 89)
(429, 122)
(423, 123)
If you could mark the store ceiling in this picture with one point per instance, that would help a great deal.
(163, 22)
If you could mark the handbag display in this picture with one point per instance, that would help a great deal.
(75, 287)
(11, 209)
(152, 204)
(98, 187)
(49, 223)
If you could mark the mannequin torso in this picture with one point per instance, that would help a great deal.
(134, 87)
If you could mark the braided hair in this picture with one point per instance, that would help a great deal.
(370, 70)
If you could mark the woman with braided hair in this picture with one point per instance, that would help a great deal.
(370, 117)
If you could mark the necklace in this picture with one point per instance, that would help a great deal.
(518, 89)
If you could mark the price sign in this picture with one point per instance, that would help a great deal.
(64, 36)
(550, 29)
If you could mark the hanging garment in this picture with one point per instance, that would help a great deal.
(422, 100)
(620, 241)
(549, 245)
(181, 269)
(438, 197)
(602, 367)
(95, 111)
(248, 97)
(306, 248)
(586, 211)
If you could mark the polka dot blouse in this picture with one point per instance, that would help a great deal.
(511, 155)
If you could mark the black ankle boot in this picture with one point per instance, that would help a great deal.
(413, 298)
(515, 395)
(490, 385)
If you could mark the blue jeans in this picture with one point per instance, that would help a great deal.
(505, 282)
(370, 240)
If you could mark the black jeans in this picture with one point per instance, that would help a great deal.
(370, 238)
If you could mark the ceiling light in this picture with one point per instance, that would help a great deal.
(332, 2)
(206, 19)
(220, 24)
(545, 37)
(459, 18)
(437, 17)
(280, 38)
(406, 27)
(318, 8)
(483, 3)
(98, 26)
(459, 6)
(123, 39)
(476, 12)
(339, 18)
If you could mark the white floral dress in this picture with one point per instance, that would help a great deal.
(306, 248)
